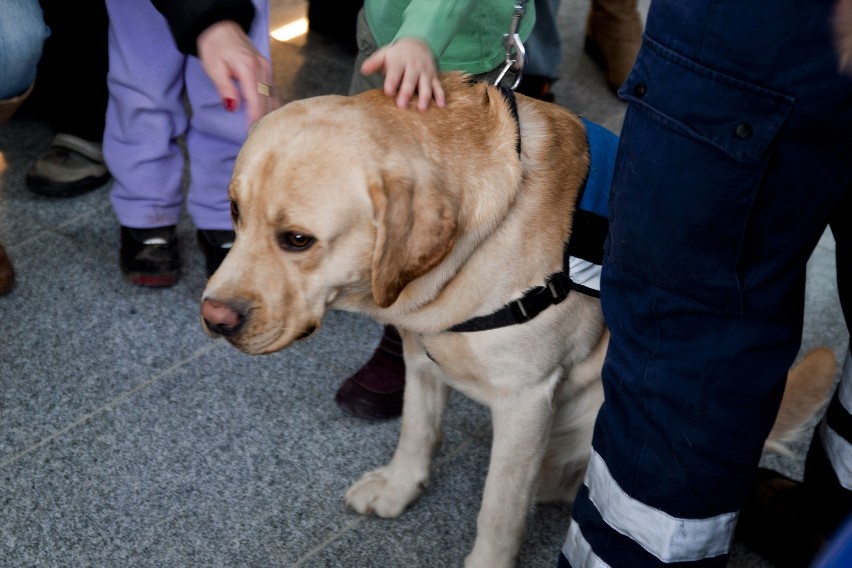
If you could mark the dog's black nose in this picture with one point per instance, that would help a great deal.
(220, 318)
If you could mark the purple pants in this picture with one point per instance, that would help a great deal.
(147, 113)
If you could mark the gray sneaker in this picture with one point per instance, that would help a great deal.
(72, 166)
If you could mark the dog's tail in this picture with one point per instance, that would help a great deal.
(809, 386)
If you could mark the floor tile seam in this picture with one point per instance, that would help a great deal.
(330, 366)
(54, 230)
(10, 243)
(437, 464)
(107, 406)
(480, 435)
(328, 541)
(452, 454)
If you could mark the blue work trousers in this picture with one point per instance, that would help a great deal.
(733, 159)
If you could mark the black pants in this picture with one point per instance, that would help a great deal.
(70, 88)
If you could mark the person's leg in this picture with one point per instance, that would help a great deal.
(544, 52)
(215, 136)
(72, 75)
(22, 36)
(213, 140)
(788, 521)
(828, 468)
(703, 282)
(613, 37)
(145, 117)
(367, 46)
(71, 93)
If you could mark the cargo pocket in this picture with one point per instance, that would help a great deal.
(694, 146)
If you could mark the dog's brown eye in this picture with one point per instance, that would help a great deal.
(295, 241)
(235, 212)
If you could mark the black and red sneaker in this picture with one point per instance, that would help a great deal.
(149, 257)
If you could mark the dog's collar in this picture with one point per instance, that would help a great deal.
(590, 221)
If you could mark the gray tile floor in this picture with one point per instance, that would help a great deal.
(128, 438)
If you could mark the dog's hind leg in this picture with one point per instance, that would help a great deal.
(521, 426)
(387, 491)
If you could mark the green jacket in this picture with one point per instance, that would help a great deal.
(464, 35)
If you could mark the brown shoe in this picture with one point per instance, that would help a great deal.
(71, 166)
(7, 273)
(613, 38)
(778, 521)
(375, 391)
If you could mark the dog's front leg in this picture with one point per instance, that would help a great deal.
(521, 427)
(387, 491)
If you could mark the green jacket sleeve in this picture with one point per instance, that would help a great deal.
(434, 22)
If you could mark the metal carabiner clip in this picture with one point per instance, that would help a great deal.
(515, 50)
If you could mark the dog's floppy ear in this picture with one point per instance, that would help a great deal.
(415, 230)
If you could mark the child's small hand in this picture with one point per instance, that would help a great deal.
(237, 69)
(409, 67)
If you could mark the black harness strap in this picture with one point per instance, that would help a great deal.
(525, 308)
(558, 285)
(509, 95)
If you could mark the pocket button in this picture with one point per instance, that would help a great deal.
(744, 130)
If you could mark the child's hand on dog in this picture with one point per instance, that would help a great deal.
(409, 68)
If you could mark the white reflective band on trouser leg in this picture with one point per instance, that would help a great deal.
(578, 552)
(837, 449)
(669, 538)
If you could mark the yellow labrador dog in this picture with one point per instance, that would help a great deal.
(426, 220)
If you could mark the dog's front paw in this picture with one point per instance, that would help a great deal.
(381, 493)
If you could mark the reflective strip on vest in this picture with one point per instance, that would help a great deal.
(837, 448)
(669, 538)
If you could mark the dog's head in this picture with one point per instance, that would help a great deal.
(333, 205)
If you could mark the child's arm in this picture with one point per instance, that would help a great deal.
(409, 67)
(410, 60)
(237, 69)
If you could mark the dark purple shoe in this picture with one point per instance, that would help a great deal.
(375, 391)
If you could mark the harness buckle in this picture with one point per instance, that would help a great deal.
(540, 298)
(519, 311)
(559, 286)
